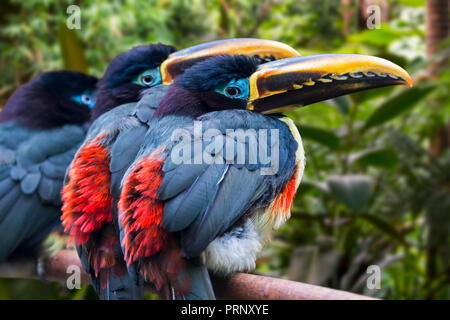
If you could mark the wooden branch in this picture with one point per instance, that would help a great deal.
(240, 286)
(243, 286)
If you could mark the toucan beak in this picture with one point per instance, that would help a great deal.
(279, 85)
(267, 50)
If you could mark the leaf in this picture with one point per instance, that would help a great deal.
(341, 103)
(413, 3)
(325, 137)
(352, 190)
(367, 95)
(383, 225)
(381, 158)
(308, 185)
(71, 49)
(377, 37)
(397, 105)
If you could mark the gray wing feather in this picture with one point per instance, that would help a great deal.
(30, 191)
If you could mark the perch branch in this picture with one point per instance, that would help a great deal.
(239, 286)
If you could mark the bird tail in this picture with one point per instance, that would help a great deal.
(115, 283)
(121, 288)
(201, 287)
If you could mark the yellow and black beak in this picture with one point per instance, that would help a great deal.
(267, 50)
(279, 85)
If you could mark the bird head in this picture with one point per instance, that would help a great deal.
(129, 75)
(240, 82)
(52, 99)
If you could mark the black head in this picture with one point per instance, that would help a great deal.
(218, 83)
(52, 99)
(128, 75)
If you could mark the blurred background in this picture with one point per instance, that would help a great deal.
(376, 191)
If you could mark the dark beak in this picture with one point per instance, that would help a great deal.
(280, 85)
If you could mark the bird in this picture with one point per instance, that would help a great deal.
(91, 192)
(220, 164)
(125, 80)
(41, 126)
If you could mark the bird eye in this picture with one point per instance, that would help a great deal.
(149, 78)
(232, 91)
(235, 89)
(86, 99)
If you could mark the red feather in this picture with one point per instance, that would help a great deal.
(145, 240)
(141, 211)
(87, 202)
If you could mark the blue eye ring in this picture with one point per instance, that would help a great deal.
(236, 89)
(87, 98)
(149, 78)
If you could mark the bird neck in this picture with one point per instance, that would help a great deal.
(109, 98)
(105, 102)
(181, 102)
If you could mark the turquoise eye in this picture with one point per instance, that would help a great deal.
(87, 98)
(149, 78)
(236, 89)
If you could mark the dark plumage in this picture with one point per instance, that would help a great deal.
(45, 101)
(192, 93)
(217, 70)
(117, 87)
(41, 127)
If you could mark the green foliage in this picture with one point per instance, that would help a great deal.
(352, 190)
(322, 136)
(397, 105)
(379, 157)
(371, 194)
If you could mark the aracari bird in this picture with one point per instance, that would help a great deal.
(209, 183)
(93, 181)
(41, 126)
(127, 77)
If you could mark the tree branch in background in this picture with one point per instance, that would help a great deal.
(240, 286)
(263, 14)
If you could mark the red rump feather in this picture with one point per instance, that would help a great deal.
(141, 211)
(87, 202)
(145, 240)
